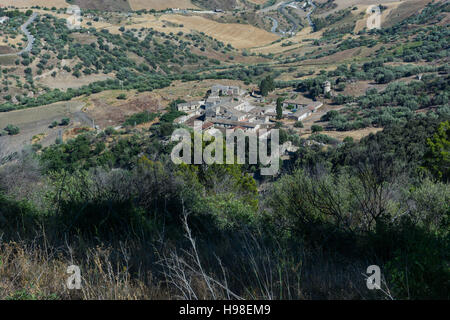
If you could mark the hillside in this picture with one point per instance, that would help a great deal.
(352, 97)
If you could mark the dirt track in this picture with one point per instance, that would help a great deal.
(29, 36)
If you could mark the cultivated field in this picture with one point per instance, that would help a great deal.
(64, 80)
(36, 121)
(27, 116)
(161, 4)
(239, 36)
(30, 3)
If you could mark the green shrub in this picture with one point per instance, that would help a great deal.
(315, 128)
(298, 124)
(12, 130)
(65, 121)
(139, 118)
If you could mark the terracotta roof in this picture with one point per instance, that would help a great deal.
(207, 125)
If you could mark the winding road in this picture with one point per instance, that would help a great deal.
(30, 37)
(281, 6)
(308, 16)
(274, 25)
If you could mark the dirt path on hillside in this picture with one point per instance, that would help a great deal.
(30, 37)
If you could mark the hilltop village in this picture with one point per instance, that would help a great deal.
(230, 107)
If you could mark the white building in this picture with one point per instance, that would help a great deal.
(298, 103)
(190, 106)
(304, 113)
(300, 114)
(219, 89)
(3, 20)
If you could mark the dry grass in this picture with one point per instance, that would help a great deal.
(107, 110)
(238, 35)
(298, 40)
(404, 10)
(32, 115)
(342, 4)
(258, 1)
(161, 4)
(35, 121)
(362, 23)
(7, 40)
(65, 80)
(31, 272)
(355, 134)
(30, 3)
(39, 272)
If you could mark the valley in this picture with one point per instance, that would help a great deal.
(351, 98)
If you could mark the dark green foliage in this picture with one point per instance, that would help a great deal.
(170, 116)
(12, 130)
(437, 158)
(266, 86)
(279, 108)
(65, 121)
(298, 124)
(323, 138)
(330, 115)
(345, 209)
(320, 23)
(17, 216)
(139, 118)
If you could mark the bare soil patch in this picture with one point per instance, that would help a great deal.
(6, 50)
(355, 134)
(107, 111)
(64, 80)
